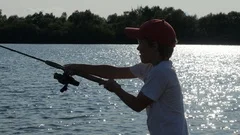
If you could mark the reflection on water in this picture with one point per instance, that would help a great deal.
(210, 80)
(32, 104)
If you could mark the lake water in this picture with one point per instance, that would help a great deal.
(31, 104)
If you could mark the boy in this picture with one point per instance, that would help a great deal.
(161, 93)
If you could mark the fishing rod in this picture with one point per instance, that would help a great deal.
(64, 78)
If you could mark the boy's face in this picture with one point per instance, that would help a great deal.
(147, 53)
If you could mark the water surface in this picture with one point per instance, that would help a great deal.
(32, 104)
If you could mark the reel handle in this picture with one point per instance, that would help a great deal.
(64, 88)
(65, 79)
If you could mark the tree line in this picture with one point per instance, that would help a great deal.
(88, 28)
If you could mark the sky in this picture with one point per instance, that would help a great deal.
(104, 8)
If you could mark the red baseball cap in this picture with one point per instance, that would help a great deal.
(154, 30)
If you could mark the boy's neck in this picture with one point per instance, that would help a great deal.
(154, 63)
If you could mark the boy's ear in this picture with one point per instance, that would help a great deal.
(155, 46)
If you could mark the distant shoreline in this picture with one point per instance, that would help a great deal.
(106, 44)
(86, 27)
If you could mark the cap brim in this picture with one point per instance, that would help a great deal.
(132, 32)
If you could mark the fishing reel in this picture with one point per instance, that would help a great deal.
(65, 79)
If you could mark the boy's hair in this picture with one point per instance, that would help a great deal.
(165, 51)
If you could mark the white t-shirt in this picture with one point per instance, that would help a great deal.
(166, 113)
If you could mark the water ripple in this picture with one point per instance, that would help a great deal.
(32, 104)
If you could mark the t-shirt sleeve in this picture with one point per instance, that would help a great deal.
(155, 85)
(138, 70)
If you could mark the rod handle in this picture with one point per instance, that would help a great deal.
(53, 64)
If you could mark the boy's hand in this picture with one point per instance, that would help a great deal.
(112, 86)
(70, 69)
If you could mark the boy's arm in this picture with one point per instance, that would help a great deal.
(135, 103)
(103, 71)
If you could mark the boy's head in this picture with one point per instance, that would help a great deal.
(155, 32)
